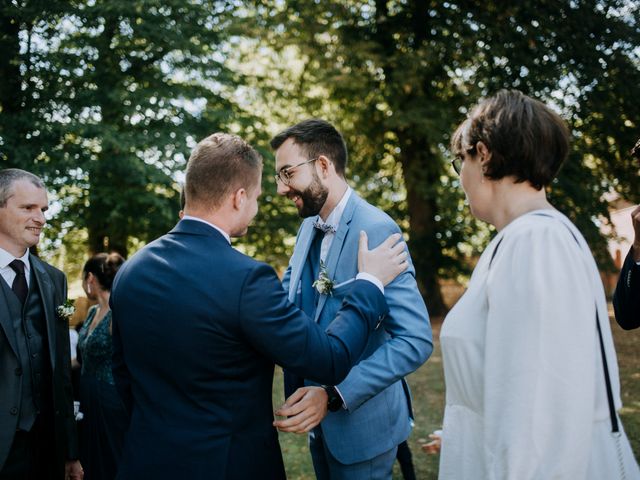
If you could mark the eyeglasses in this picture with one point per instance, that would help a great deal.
(456, 161)
(285, 175)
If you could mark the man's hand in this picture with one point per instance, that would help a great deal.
(305, 408)
(386, 261)
(635, 220)
(73, 470)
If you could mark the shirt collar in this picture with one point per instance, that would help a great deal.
(6, 258)
(336, 214)
(197, 219)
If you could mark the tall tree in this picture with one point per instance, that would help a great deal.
(27, 89)
(131, 87)
(400, 75)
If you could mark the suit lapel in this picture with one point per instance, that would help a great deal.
(47, 292)
(299, 257)
(336, 246)
(7, 322)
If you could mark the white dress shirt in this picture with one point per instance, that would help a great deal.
(7, 272)
(334, 220)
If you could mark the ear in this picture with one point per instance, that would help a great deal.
(239, 197)
(484, 153)
(325, 164)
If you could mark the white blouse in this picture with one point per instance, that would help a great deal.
(525, 388)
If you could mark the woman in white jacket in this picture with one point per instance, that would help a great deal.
(526, 393)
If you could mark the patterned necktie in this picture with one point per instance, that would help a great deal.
(19, 285)
(324, 227)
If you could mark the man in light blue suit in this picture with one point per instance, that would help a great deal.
(355, 426)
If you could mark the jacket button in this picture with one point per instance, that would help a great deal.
(18, 371)
(13, 411)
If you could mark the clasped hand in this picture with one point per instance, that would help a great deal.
(304, 409)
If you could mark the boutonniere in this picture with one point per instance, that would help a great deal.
(323, 284)
(65, 310)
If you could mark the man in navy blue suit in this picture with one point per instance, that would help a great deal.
(198, 326)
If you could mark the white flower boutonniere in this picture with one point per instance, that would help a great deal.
(65, 310)
(323, 284)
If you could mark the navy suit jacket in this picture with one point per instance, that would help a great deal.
(626, 299)
(197, 328)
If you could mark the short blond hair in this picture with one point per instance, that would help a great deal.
(220, 164)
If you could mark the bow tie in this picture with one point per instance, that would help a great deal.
(324, 227)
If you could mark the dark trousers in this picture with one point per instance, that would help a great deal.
(406, 461)
(32, 455)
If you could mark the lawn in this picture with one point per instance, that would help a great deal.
(427, 385)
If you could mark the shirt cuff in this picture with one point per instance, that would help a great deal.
(370, 278)
(344, 404)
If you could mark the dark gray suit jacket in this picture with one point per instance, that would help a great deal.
(53, 290)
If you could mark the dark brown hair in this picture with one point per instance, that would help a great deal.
(104, 267)
(527, 139)
(316, 137)
(220, 164)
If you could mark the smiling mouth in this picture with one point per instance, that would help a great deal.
(35, 230)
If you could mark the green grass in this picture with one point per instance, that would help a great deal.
(427, 385)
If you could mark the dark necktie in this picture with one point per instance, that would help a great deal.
(19, 285)
(314, 253)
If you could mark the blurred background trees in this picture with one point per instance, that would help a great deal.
(105, 99)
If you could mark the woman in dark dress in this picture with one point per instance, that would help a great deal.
(105, 419)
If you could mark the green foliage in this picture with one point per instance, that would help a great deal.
(113, 99)
(105, 99)
(397, 77)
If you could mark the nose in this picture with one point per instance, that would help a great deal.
(282, 189)
(39, 217)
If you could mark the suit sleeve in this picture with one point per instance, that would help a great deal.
(626, 298)
(65, 358)
(410, 339)
(121, 375)
(282, 332)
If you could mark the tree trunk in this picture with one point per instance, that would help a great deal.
(105, 177)
(421, 172)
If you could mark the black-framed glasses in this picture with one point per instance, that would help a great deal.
(457, 160)
(456, 163)
(285, 175)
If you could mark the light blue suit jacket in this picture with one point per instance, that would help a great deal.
(378, 410)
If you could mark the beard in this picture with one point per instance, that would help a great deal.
(313, 198)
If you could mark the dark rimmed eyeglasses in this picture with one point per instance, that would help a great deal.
(285, 175)
(456, 161)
